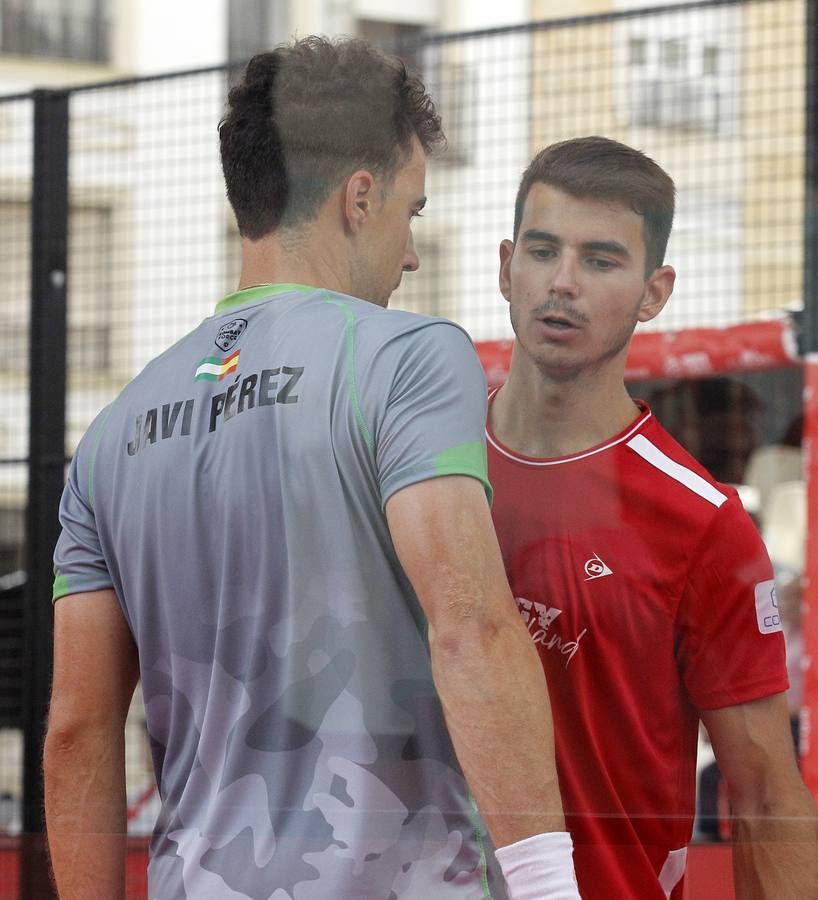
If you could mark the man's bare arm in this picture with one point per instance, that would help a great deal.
(486, 669)
(775, 832)
(95, 673)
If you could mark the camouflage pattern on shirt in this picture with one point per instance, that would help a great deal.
(233, 496)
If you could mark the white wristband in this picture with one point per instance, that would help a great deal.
(540, 867)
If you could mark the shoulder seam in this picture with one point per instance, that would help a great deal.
(94, 449)
(349, 338)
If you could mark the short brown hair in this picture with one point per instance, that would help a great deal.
(305, 116)
(599, 168)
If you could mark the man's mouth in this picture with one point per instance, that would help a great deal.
(555, 322)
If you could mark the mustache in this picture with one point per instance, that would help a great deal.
(565, 310)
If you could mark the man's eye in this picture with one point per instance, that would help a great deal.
(542, 253)
(603, 264)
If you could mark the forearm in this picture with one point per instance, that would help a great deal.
(485, 665)
(775, 850)
(86, 813)
(494, 696)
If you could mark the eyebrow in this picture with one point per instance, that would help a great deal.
(612, 247)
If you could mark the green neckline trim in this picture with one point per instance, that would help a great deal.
(259, 292)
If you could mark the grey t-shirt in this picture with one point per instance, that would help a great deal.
(233, 496)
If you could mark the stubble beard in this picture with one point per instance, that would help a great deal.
(564, 371)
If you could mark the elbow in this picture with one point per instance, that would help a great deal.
(62, 739)
(59, 751)
(467, 634)
(69, 737)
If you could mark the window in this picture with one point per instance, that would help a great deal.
(710, 60)
(637, 51)
(90, 306)
(452, 85)
(680, 82)
(394, 37)
(68, 29)
(673, 54)
(450, 82)
(89, 290)
(684, 103)
(254, 26)
(15, 262)
(427, 291)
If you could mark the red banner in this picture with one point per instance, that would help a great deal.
(809, 608)
(693, 353)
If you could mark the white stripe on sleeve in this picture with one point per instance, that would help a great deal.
(652, 454)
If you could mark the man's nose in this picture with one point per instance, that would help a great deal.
(564, 277)
(411, 260)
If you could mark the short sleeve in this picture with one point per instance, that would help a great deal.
(79, 563)
(730, 642)
(433, 420)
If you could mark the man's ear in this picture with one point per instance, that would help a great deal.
(358, 198)
(506, 252)
(658, 289)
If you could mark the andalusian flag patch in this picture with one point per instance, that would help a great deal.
(214, 368)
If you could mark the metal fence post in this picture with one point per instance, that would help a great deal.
(49, 238)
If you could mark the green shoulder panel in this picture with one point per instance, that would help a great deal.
(466, 459)
(61, 588)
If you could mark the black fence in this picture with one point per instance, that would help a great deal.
(116, 239)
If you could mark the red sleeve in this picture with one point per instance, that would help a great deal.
(730, 644)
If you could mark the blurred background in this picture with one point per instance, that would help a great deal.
(116, 239)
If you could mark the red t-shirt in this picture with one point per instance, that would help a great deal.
(649, 594)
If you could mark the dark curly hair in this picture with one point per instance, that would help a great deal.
(305, 116)
(602, 169)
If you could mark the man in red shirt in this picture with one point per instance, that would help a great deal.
(643, 582)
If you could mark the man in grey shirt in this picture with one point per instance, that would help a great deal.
(259, 528)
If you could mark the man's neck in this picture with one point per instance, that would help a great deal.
(287, 258)
(544, 417)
